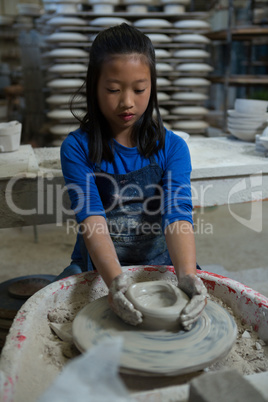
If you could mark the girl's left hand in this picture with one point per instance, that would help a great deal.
(197, 292)
(120, 304)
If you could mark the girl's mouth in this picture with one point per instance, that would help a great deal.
(126, 116)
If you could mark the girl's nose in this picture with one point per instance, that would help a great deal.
(126, 100)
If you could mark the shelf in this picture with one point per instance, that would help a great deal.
(240, 33)
(241, 79)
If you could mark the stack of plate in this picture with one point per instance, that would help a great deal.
(248, 119)
(67, 58)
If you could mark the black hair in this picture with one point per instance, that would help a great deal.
(148, 132)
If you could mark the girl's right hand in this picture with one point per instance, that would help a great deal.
(120, 304)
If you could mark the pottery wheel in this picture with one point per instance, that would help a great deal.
(158, 352)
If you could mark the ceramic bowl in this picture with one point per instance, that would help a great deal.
(10, 135)
(152, 23)
(191, 38)
(233, 114)
(191, 54)
(251, 106)
(194, 67)
(62, 68)
(160, 303)
(189, 96)
(195, 82)
(189, 110)
(137, 8)
(103, 8)
(174, 9)
(245, 135)
(192, 24)
(108, 21)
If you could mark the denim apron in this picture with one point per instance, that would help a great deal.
(132, 203)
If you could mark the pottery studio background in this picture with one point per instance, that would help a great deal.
(209, 56)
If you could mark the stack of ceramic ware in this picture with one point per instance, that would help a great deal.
(248, 118)
(263, 139)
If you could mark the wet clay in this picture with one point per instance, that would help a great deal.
(160, 303)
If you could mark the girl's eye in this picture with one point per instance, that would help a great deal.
(112, 91)
(139, 91)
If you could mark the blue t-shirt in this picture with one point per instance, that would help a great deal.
(174, 160)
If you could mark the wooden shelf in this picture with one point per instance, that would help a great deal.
(240, 33)
(241, 79)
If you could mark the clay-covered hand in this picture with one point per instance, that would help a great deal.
(197, 292)
(120, 304)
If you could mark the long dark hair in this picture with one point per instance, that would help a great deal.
(148, 133)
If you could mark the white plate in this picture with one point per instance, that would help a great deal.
(191, 38)
(192, 67)
(137, 8)
(160, 53)
(192, 24)
(162, 96)
(68, 68)
(162, 82)
(66, 37)
(61, 21)
(64, 113)
(191, 96)
(174, 9)
(65, 83)
(103, 8)
(63, 129)
(108, 21)
(185, 2)
(191, 124)
(152, 23)
(113, 2)
(191, 54)
(65, 99)
(157, 352)
(159, 38)
(66, 52)
(191, 82)
(163, 67)
(189, 110)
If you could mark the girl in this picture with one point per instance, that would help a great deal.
(128, 178)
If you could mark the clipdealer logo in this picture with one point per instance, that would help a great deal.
(252, 184)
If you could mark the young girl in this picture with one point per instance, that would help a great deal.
(128, 177)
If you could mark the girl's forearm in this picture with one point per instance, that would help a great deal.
(181, 246)
(101, 248)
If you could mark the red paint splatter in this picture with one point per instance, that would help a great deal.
(21, 338)
(210, 285)
(248, 300)
(230, 289)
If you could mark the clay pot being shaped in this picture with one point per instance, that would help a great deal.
(160, 303)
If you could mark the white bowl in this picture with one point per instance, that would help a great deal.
(65, 99)
(247, 125)
(251, 106)
(251, 116)
(64, 113)
(63, 129)
(66, 8)
(10, 135)
(160, 303)
(243, 134)
(137, 8)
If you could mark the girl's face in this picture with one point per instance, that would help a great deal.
(123, 91)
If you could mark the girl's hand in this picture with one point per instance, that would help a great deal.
(196, 290)
(120, 304)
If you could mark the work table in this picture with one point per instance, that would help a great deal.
(224, 171)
